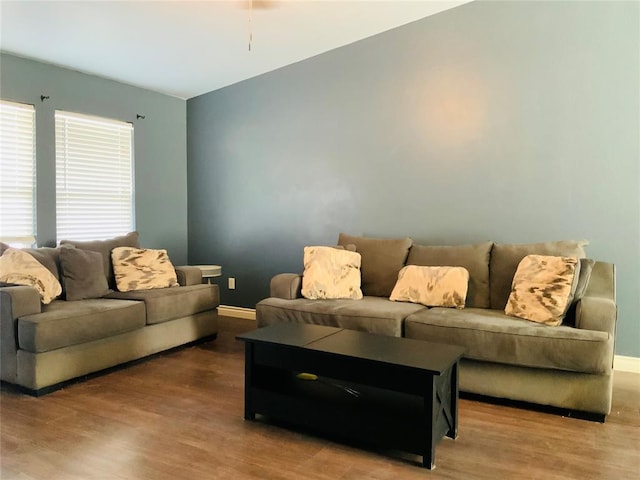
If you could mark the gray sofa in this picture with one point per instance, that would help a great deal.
(569, 366)
(45, 346)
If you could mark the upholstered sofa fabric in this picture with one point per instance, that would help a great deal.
(371, 314)
(382, 259)
(65, 323)
(576, 391)
(475, 258)
(164, 304)
(492, 336)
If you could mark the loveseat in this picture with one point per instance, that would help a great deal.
(569, 366)
(86, 330)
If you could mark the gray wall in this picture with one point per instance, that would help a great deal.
(504, 121)
(160, 145)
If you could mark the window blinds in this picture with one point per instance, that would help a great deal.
(94, 177)
(17, 173)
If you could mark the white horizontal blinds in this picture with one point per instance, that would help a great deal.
(17, 173)
(94, 177)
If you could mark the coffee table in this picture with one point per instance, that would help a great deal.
(391, 392)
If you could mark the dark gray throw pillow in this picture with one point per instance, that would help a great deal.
(105, 247)
(82, 274)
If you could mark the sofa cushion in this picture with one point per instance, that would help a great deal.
(505, 259)
(543, 288)
(142, 269)
(382, 259)
(18, 267)
(331, 273)
(490, 335)
(82, 274)
(432, 286)
(105, 247)
(164, 304)
(371, 314)
(63, 323)
(475, 258)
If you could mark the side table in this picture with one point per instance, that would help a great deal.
(210, 271)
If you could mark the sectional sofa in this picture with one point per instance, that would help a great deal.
(569, 366)
(43, 346)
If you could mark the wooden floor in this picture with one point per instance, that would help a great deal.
(179, 416)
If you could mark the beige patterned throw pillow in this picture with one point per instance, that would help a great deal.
(543, 288)
(331, 273)
(142, 269)
(20, 268)
(432, 286)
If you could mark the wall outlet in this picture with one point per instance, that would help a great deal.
(232, 283)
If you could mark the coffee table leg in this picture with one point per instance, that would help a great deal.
(453, 406)
(429, 454)
(249, 414)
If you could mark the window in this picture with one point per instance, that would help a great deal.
(17, 173)
(94, 177)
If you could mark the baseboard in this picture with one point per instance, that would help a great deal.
(626, 364)
(620, 363)
(237, 312)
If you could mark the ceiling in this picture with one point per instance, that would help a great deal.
(187, 48)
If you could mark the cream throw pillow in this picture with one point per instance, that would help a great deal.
(432, 286)
(20, 268)
(331, 273)
(142, 269)
(543, 288)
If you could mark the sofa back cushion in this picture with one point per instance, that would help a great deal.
(475, 258)
(105, 247)
(505, 259)
(382, 259)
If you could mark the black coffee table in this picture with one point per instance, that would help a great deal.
(392, 392)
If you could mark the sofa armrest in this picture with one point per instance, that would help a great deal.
(597, 310)
(15, 302)
(287, 286)
(596, 313)
(188, 275)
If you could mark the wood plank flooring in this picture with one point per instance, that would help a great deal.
(179, 416)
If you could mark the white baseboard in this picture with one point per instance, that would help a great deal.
(626, 364)
(620, 363)
(237, 312)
